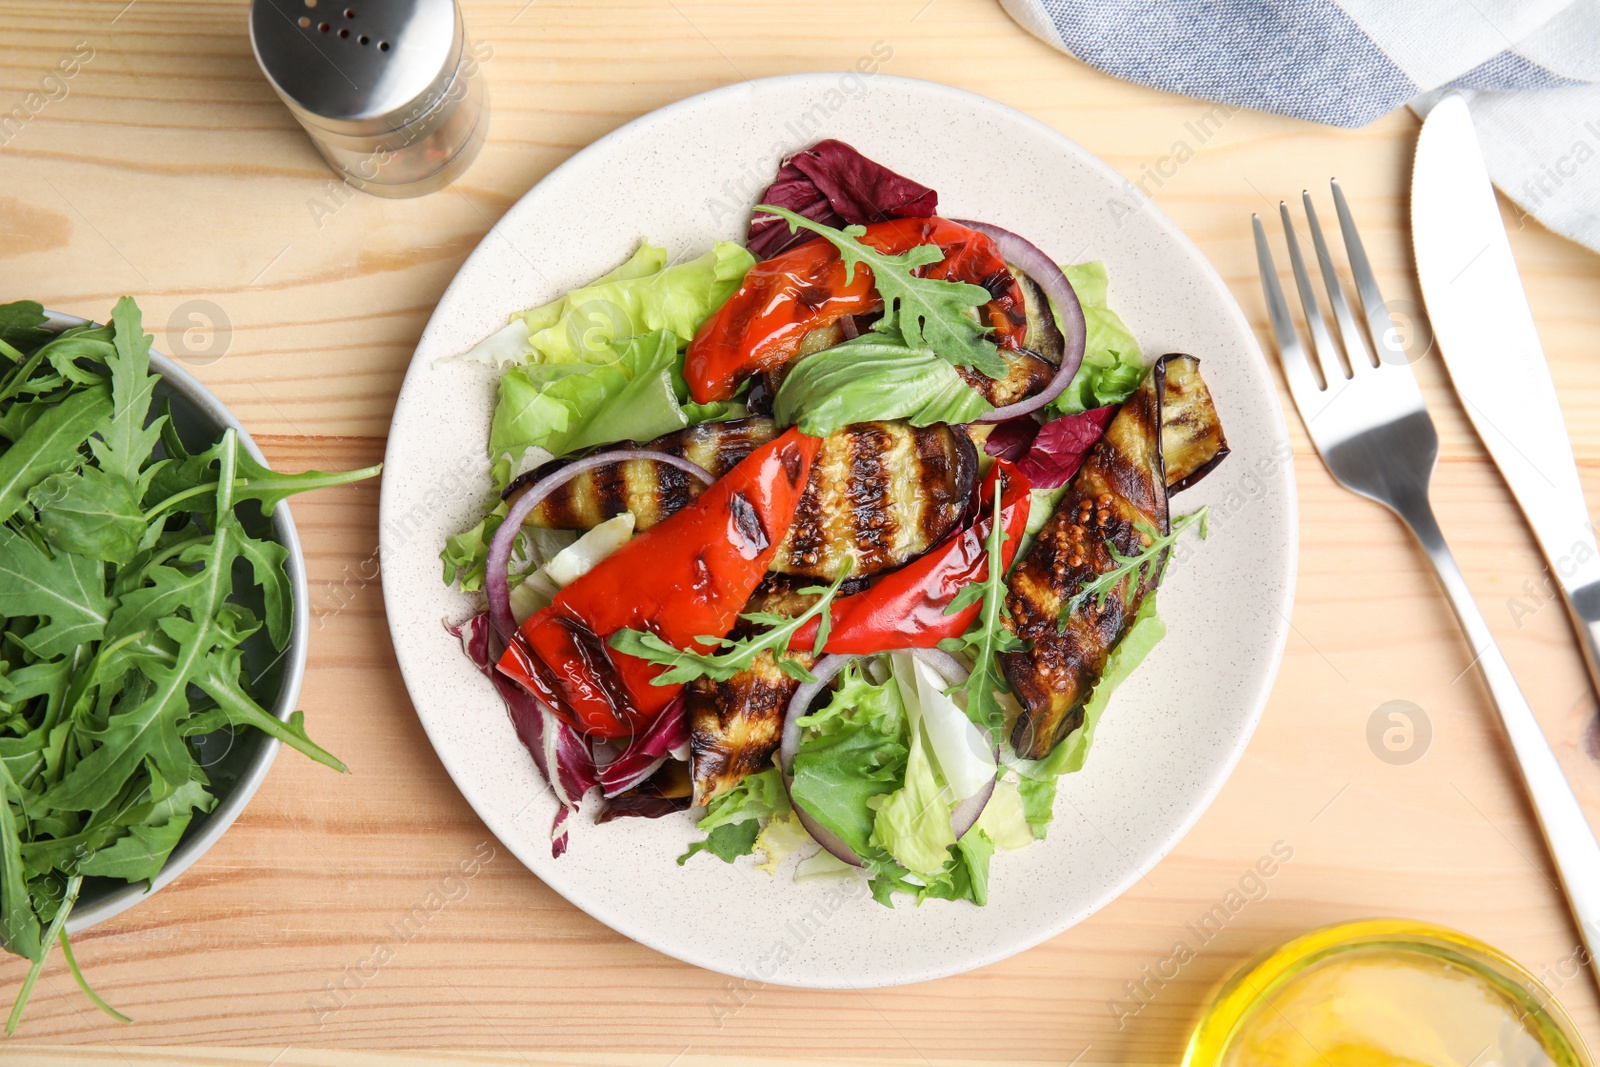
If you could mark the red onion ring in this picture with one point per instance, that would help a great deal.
(962, 817)
(824, 669)
(496, 579)
(1046, 273)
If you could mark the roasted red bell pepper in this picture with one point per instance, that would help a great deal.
(786, 297)
(684, 578)
(906, 608)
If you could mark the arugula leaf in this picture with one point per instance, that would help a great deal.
(122, 562)
(49, 445)
(125, 442)
(219, 678)
(56, 929)
(197, 477)
(1134, 568)
(153, 831)
(20, 325)
(927, 312)
(256, 481)
(90, 513)
(66, 590)
(19, 927)
(269, 565)
(988, 636)
(733, 656)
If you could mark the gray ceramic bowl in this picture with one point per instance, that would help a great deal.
(236, 763)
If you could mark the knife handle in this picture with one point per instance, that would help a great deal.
(1583, 604)
(1566, 829)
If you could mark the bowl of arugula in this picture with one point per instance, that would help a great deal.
(153, 625)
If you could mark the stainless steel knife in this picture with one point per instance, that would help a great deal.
(1486, 335)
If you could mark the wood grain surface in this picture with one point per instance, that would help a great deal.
(169, 170)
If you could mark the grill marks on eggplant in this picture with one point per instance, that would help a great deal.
(735, 726)
(881, 493)
(1192, 443)
(869, 498)
(940, 466)
(650, 490)
(1030, 368)
(1121, 485)
(1026, 374)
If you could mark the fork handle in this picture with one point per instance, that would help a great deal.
(1566, 830)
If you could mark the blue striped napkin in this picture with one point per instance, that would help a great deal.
(1530, 70)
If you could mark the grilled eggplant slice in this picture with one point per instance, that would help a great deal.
(1192, 443)
(735, 726)
(1121, 486)
(1026, 373)
(881, 493)
(1030, 368)
(1043, 336)
(650, 490)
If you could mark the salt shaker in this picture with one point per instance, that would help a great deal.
(391, 91)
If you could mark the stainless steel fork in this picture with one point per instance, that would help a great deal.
(1367, 419)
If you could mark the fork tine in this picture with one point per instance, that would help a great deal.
(1385, 345)
(1322, 343)
(1303, 385)
(1355, 347)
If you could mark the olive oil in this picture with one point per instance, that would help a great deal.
(1384, 993)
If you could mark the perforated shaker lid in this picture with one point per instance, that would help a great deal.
(357, 66)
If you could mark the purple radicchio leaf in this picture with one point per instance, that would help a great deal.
(646, 752)
(550, 741)
(834, 184)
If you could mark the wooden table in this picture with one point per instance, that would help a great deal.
(170, 171)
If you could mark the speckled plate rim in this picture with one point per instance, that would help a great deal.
(480, 770)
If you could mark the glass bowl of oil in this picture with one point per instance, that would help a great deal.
(1385, 993)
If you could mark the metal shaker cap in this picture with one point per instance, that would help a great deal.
(357, 66)
(390, 91)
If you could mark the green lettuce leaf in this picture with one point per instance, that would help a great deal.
(593, 323)
(563, 407)
(466, 554)
(727, 842)
(734, 820)
(1004, 819)
(1037, 784)
(874, 376)
(964, 876)
(853, 751)
(1112, 364)
(779, 839)
(913, 823)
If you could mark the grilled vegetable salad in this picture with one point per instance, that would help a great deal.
(845, 536)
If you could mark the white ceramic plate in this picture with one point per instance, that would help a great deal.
(683, 176)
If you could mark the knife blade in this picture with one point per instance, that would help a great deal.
(1486, 336)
